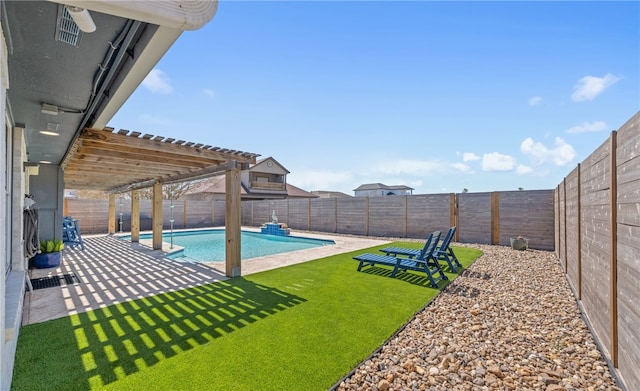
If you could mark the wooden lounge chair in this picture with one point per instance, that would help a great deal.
(426, 263)
(444, 252)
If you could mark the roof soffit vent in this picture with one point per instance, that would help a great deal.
(67, 30)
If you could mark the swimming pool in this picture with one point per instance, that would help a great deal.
(209, 245)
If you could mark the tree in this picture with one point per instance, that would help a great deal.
(171, 191)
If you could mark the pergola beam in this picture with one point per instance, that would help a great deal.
(193, 175)
(124, 161)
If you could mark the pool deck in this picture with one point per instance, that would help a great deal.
(110, 271)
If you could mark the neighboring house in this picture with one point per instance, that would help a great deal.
(379, 190)
(331, 194)
(267, 179)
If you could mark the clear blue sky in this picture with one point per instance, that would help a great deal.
(439, 96)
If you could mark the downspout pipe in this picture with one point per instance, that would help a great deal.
(103, 85)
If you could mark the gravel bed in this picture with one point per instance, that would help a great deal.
(509, 322)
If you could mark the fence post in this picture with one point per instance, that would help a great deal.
(495, 217)
(406, 215)
(184, 214)
(564, 195)
(557, 220)
(366, 218)
(135, 216)
(579, 245)
(309, 214)
(335, 215)
(613, 248)
(453, 214)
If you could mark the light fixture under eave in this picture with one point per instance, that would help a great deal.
(49, 109)
(52, 129)
(82, 18)
(31, 168)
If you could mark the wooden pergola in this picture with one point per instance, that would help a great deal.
(124, 161)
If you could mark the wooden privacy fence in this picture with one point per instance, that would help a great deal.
(597, 209)
(93, 215)
(488, 218)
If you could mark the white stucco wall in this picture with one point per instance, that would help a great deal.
(12, 178)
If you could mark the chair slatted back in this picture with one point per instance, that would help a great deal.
(430, 245)
(447, 239)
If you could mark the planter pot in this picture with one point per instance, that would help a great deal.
(46, 260)
(519, 244)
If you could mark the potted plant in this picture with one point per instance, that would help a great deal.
(50, 254)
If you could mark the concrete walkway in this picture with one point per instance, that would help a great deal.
(110, 270)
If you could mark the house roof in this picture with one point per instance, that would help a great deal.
(265, 161)
(331, 194)
(296, 192)
(214, 184)
(217, 185)
(380, 186)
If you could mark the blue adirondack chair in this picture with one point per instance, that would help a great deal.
(71, 232)
(442, 253)
(426, 262)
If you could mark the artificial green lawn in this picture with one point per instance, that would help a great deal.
(300, 327)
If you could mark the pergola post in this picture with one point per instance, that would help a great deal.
(135, 216)
(156, 216)
(111, 224)
(232, 222)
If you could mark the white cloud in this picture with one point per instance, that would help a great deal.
(589, 87)
(469, 156)
(497, 162)
(155, 120)
(462, 167)
(322, 180)
(535, 100)
(415, 184)
(561, 154)
(157, 82)
(595, 126)
(209, 92)
(523, 170)
(410, 167)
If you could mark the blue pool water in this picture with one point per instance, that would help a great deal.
(209, 245)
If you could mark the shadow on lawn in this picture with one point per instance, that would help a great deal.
(125, 338)
(407, 276)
